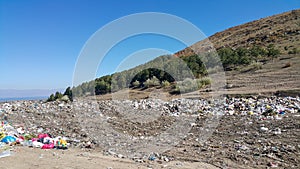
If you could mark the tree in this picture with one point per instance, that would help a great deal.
(242, 51)
(121, 81)
(51, 98)
(228, 56)
(102, 87)
(258, 51)
(77, 91)
(272, 51)
(69, 93)
(58, 95)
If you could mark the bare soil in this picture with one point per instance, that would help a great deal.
(29, 158)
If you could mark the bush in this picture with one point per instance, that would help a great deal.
(272, 51)
(294, 51)
(203, 82)
(165, 83)
(154, 81)
(136, 83)
(69, 93)
(188, 85)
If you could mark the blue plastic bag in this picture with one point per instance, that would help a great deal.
(8, 139)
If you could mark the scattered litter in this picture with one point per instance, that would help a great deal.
(5, 154)
(264, 129)
(251, 129)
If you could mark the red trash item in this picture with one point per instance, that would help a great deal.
(48, 146)
(34, 139)
(42, 136)
(22, 137)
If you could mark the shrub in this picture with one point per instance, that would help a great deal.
(272, 51)
(165, 83)
(187, 85)
(154, 81)
(294, 51)
(136, 83)
(204, 82)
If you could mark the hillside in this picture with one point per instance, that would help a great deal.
(282, 30)
(261, 56)
(265, 76)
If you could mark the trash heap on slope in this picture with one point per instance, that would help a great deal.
(9, 136)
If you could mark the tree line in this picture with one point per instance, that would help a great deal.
(166, 70)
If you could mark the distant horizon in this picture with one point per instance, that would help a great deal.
(23, 98)
(21, 93)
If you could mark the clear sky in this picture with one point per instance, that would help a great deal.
(40, 40)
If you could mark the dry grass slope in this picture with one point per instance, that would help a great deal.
(282, 30)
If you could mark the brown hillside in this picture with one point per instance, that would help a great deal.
(282, 30)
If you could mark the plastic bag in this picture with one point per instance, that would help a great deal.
(5, 154)
(8, 139)
(48, 146)
(37, 144)
(42, 136)
(2, 135)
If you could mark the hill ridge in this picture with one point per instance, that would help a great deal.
(282, 30)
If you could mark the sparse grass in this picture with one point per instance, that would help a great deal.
(252, 67)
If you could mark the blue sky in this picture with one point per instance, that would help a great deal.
(41, 40)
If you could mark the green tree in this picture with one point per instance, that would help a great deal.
(228, 56)
(241, 52)
(121, 81)
(272, 51)
(51, 98)
(58, 95)
(258, 51)
(69, 93)
(102, 87)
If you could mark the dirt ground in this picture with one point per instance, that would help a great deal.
(29, 158)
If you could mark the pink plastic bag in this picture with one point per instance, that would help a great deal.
(48, 146)
(34, 139)
(42, 136)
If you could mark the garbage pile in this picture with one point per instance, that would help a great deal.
(16, 129)
(252, 131)
(9, 136)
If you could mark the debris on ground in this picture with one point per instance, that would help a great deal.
(255, 131)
